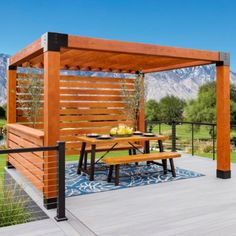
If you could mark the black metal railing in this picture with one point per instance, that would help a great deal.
(173, 126)
(60, 153)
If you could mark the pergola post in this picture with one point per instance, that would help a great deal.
(223, 117)
(141, 117)
(11, 100)
(51, 124)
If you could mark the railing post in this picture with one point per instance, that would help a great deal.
(213, 142)
(192, 139)
(146, 125)
(173, 136)
(61, 182)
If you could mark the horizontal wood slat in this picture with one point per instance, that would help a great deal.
(97, 79)
(26, 130)
(30, 164)
(71, 131)
(92, 104)
(94, 85)
(93, 124)
(32, 157)
(92, 117)
(91, 98)
(100, 111)
(34, 180)
(90, 91)
(38, 172)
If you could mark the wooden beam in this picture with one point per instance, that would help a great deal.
(27, 53)
(11, 103)
(141, 116)
(87, 43)
(51, 121)
(223, 121)
(177, 66)
(11, 96)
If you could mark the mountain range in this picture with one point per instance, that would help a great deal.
(183, 83)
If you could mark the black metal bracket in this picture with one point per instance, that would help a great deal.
(224, 59)
(12, 67)
(54, 41)
(109, 150)
(223, 174)
(135, 148)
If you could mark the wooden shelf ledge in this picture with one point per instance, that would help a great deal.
(26, 130)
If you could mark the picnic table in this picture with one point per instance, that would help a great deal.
(132, 140)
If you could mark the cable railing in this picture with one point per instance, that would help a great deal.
(16, 206)
(191, 138)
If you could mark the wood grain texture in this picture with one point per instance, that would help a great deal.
(11, 96)
(32, 50)
(223, 117)
(51, 118)
(140, 158)
(134, 138)
(138, 48)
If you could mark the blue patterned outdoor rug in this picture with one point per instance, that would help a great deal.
(130, 176)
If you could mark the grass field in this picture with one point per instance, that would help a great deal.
(2, 122)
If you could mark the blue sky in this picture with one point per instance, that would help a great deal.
(202, 24)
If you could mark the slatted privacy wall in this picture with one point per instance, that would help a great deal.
(91, 105)
(87, 105)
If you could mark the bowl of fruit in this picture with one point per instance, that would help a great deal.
(121, 131)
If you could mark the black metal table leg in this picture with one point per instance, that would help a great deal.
(117, 175)
(110, 173)
(134, 153)
(85, 160)
(147, 149)
(93, 153)
(80, 163)
(172, 167)
(164, 162)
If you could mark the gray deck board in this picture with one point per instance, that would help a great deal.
(199, 206)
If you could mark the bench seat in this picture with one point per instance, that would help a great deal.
(140, 157)
(148, 157)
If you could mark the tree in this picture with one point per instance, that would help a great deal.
(171, 108)
(133, 99)
(203, 108)
(152, 110)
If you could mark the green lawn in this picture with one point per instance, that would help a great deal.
(2, 122)
(184, 131)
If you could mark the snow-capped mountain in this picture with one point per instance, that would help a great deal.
(3, 75)
(183, 83)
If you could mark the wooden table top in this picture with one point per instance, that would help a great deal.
(133, 138)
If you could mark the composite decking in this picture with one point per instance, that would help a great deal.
(200, 206)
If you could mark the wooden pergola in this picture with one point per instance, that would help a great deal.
(54, 52)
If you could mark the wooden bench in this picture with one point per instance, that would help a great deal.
(149, 157)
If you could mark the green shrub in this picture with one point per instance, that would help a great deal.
(13, 207)
(207, 149)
